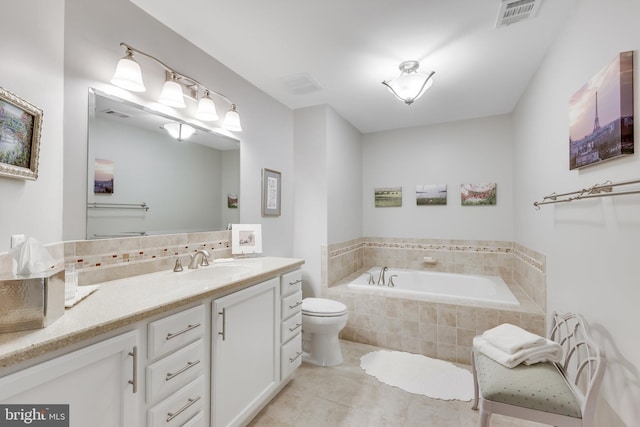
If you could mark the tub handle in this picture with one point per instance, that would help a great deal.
(391, 284)
(371, 281)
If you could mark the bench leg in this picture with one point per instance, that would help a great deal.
(475, 381)
(485, 417)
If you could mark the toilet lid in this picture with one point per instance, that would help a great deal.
(323, 307)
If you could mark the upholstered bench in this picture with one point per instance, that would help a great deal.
(561, 394)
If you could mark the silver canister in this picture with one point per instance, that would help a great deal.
(31, 302)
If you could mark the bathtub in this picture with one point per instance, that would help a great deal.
(437, 286)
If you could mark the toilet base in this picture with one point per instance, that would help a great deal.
(322, 350)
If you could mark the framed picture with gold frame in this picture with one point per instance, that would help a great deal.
(20, 127)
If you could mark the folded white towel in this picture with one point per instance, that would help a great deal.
(511, 338)
(548, 352)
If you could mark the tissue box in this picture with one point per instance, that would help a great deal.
(31, 302)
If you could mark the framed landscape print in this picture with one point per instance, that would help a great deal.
(478, 194)
(20, 127)
(387, 197)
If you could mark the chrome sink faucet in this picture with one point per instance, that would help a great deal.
(381, 277)
(194, 259)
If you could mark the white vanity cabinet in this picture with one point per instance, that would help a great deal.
(99, 383)
(246, 352)
(178, 375)
(291, 322)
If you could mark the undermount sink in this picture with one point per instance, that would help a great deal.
(216, 272)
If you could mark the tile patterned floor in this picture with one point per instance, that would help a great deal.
(344, 396)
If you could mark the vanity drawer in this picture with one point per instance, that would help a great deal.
(174, 371)
(290, 356)
(178, 408)
(291, 305)
(291, 327)
(175, 331)
(290, 283)
(197, 421)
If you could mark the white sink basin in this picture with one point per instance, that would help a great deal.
(216, 272)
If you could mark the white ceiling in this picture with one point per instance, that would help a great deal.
(349, 46)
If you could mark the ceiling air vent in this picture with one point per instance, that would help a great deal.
(512, 11)
(115, 113)
(301, 84)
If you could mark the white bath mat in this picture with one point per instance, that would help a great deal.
(419, 374)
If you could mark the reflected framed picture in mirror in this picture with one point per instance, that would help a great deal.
(271, 185)
(246, 239)
(21, 124)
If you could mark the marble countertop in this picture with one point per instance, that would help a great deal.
(123, 302)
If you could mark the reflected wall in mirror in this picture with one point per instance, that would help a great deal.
(185, 186)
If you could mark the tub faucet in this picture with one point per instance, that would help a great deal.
(194, 259)
(381, 277)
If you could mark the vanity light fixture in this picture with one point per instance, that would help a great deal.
(128, 75)
(206, 108)
(232, 119)
(171, 94)
(410, 84)
(179, 131)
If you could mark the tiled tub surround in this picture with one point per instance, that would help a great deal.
(441, 330)
(111, 259)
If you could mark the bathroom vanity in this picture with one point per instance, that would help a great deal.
(195, 348)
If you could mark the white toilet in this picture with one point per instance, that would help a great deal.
(322, 321)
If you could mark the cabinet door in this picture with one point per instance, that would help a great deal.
(246, 362)
(93, 381)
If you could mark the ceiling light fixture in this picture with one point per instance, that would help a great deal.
(179, 131)
(409, 85)
(128, 75)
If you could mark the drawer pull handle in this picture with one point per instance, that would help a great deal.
(295, 305)
(223, 313)
(172, 375)
(172, 415)
(298, 354)
(295, 327)
(295, 283)
(187, 329)
(134, 380)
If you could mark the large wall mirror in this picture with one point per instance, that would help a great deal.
(142, 181)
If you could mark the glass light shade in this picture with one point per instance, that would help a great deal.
(172, 95)
(206, 109)
(179, 131)
(410, 85)
(232, 120)
(128, 75)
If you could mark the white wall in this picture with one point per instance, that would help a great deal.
(591, 245)
(464, 152)
(328, 209)
(344, 179)
(32, 45)
(310, 210)
(93, 32)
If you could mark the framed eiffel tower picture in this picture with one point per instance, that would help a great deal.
(601, 115)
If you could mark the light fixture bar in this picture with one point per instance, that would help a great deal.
(189, 83)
